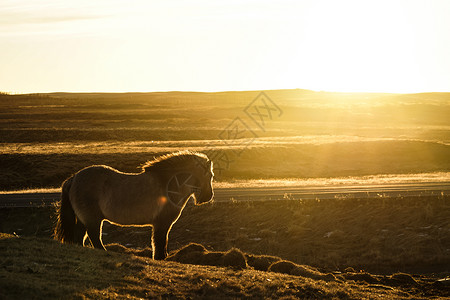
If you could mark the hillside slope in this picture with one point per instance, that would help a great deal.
(36, 268)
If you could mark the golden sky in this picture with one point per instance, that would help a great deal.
(206, 45)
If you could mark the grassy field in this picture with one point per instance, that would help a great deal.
(71, 272)
(297, 133)
(342, 248)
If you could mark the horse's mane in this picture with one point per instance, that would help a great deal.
(175, 160)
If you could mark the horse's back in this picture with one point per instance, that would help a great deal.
(97, 170)
(114, 195)
(88, 188)
(93, 176)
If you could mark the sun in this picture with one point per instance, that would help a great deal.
(356, 46)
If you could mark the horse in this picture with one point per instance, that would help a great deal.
(154, 197)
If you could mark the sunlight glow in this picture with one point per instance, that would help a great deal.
(371, 46)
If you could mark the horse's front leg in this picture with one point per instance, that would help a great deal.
(161, 228)
(160, 236)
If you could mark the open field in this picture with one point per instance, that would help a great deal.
(299, 134)
(382, 247)
(376, 234)
(364, 239)
(71, 272)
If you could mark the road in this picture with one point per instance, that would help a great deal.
(270, 193)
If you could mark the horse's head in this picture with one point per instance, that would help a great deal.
(191, 175)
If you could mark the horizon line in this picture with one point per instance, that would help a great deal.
(217, 91)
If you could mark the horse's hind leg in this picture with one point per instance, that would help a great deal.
(79, 232)
(94, 231)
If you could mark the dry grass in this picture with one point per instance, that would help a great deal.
(384, 235)
(320, 247)
(305, 161)
(42, 268)
(45, 138)
(380, 235)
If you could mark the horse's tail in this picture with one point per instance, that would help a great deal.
(65, 215)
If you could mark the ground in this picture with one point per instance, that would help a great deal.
(342, 248)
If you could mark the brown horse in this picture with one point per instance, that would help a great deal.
(155, 197)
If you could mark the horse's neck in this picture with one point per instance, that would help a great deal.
(180, 186)
(185, 200)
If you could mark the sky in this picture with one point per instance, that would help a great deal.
(399, 46)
